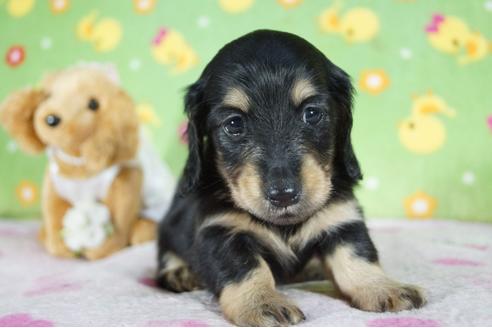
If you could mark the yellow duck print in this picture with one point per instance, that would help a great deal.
(146, 115)
(171, 49)
(422, 132)
(104, 34)
(289, 4)
(356, 25)
(235, 6)
(453, 36)
(19, 8)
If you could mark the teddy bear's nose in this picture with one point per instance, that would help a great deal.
(52, 120)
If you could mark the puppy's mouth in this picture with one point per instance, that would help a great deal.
(285, 200)
(285, 218)
(289, 215)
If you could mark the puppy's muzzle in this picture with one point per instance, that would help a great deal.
(282, 187)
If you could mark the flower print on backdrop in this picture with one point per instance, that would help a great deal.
(420, 205)
(59, 6)
(27, 193)
(144, 6)
(15, 56)
(373, 81)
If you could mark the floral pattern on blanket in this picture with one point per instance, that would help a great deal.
(452, 261)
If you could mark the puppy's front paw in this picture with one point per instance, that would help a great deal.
(178, 280)
(270, 309)
(392, 297)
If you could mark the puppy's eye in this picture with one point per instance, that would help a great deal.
(234, 126)
(312, 115)
(93, 104)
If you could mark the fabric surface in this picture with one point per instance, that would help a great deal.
(451, 260)
(422, 70)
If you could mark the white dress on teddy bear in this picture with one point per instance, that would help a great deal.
(157, 187)
(88, 222)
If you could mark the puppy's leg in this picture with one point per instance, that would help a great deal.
(124, 204)
(54, 209)
(231, 266)
(312, 271)
(175, 274)
(353, 261)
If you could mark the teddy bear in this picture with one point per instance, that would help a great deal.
(105, 186)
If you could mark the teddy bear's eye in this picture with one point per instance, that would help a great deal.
(93, 104)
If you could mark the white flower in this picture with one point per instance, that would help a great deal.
(86, 225)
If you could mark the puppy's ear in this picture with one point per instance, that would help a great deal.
(342, 94)
(17, 116)
(196, 134)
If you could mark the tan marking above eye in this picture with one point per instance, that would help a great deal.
(302, 89)
(235, 97)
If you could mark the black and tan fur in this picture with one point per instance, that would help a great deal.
(268, 186)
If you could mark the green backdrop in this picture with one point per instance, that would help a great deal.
(422, 69)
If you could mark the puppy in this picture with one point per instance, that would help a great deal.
(268, 185)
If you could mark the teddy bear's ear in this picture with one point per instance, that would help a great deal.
(17, 116)
(116, 135)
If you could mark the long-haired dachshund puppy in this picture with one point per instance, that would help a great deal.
(268, 185)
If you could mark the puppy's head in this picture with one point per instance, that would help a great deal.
(275, 115)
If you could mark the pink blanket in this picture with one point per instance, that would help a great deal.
(451, 260)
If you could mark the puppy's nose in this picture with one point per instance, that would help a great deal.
(283, 197)
(52, 120)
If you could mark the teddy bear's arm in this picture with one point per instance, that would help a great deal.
(54, 208)
(124, 203)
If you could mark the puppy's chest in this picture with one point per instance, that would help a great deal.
(289, 251)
